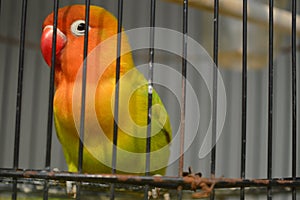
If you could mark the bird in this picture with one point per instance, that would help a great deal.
(133, 96)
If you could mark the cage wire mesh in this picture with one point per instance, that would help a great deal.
(254, 46)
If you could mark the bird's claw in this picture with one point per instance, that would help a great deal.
(198, 182)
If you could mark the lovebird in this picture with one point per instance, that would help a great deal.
(100, 96)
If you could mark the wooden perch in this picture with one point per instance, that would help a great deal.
(257, 13)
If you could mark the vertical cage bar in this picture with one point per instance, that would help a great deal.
(51, 96)
(150, 84)
(244, 99)
(19, 95)
(20, 86)
(183, 85)
(117, 88)
(215, 84)
(83, 96)
(83, 89)
(270, 98)
(51, 88)
(183, 90)
(150, 90)
(294, 98)
(116, 106)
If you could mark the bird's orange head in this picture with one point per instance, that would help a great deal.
(71, 28)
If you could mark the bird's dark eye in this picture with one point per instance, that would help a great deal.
(78, 27)
(81, 27)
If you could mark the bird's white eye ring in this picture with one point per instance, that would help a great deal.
(78, 27)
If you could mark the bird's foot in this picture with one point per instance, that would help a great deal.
(199, 182)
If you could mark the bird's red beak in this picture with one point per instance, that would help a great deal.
(46, 43)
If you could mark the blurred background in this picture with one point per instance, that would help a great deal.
(200, 28)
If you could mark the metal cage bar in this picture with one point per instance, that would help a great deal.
(294, 97)
(51, 97)
(150, 84)
(83, 89)
(183, 84)
(19, 95)
(171, 182)
(83, 97)
(116, 105)
(270, 98)
(215, 86)
(150, 90)
(117, 88)
(183, 90)
(244, 98)
(51, 87)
